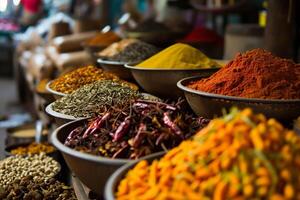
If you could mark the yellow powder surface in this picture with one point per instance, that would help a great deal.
(179, 56)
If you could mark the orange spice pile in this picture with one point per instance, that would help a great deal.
(239, 156)
(254, 74)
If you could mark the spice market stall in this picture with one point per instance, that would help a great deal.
(154, 117)
(118, 132)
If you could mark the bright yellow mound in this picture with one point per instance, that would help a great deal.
(179, 56)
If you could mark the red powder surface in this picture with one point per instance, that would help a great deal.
(254, 74)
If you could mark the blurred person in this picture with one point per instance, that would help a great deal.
(32, 11)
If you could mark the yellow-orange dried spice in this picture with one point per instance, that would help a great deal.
(73, 80)
(33, 148)
(239, 156)
(41, 86)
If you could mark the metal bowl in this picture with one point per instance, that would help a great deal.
(154, 37)
(210, 105)
(46, 96)
(60, 118)
(12, 139)
(92, 50)
(158, 38)
(112, 184)
(162, 82)
(56, 95)
(116, 68)
(9, 148)
(297, 125)
(93, 171)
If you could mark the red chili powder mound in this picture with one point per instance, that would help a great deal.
(254, 74)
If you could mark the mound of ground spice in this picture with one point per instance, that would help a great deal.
(254, 74)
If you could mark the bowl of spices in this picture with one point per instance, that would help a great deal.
(60, 118)
(121, 135)
(91, 99)
(113, 58)
(111, 186)
(55, 94)
(41, 90)
(23, 134)
(30, 149)
(241, 149)
(152, 32)
(100, 41)
(255, 79)
(69, 82)
(159, 74)
(16, 167)
(30, 187)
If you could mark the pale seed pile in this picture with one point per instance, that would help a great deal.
(38, 166)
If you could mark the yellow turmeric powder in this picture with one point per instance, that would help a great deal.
(223, 161)
(179, 56)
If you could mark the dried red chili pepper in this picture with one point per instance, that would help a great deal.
(122, 129)
(96, 125)
(140, 135)
(172, 125)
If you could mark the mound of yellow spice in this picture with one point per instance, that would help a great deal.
(239, 156)
(77, 78)
(179, 56)
(33, 148)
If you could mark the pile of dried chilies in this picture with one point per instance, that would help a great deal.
(137, 130)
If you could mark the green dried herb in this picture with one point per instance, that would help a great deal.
(95, 98)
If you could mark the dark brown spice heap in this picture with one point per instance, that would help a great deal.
(254, 74)
(150, 26)
(29, 188)
(135, 53)
(137, 130)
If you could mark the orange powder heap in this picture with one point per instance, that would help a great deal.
(254, 74)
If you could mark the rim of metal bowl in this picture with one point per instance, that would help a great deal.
(154, 32)
(110, 62)
(109, 186)
(56, 114)
(181, 85)
(53, 113)
(99, 159)
(129, 66)
(48, 88)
